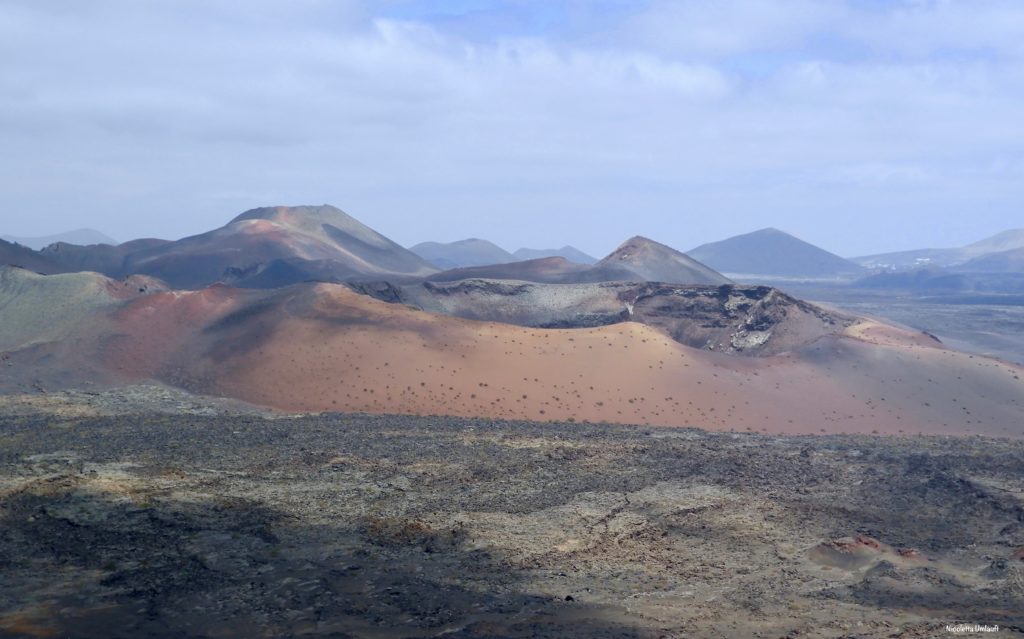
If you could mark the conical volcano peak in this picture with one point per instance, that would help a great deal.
(656, 262)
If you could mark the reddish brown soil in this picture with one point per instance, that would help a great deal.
(324, 347)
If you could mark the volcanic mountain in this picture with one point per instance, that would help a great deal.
(313, 347)
(946, 257)
(476, 252)
(101, 258)
(544, 270)
(79, 236)
(17, 255)
(471, 252)
(655, 262)
(1011, 261)
(263, 247)
(277, 246)
(570, 253)
(636, 260)
(773, 253)
(998, 243)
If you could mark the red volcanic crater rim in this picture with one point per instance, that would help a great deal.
(326, 348)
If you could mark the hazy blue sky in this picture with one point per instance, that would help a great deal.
(860, 126)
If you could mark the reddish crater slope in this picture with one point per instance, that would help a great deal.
(314, 347)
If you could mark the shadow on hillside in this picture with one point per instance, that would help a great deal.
(81, 563)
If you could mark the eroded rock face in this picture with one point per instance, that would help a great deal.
(751, 320)
(384, 291)
(748, 320)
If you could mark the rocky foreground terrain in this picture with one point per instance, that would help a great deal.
(185, 518)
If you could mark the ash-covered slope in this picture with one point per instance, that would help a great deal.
(771, 252)
(53, 328)
(313, 347)
(748, 320)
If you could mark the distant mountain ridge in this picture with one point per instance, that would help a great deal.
(636, 260)
(1008, 240)
(1011, 261)
(473, 252)
(264, 247)
(12, 254)
(83, 237)
(270, 247)
(771, 252)
(469, 252)
(1003, 241)
(549, 270)
(570, 253)
(100, 258)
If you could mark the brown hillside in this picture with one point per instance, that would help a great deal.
(323, 347)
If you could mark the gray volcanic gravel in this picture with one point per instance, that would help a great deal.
(239, 525)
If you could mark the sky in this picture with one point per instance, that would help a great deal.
(861, 126)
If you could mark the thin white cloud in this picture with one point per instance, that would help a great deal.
(699, 119)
